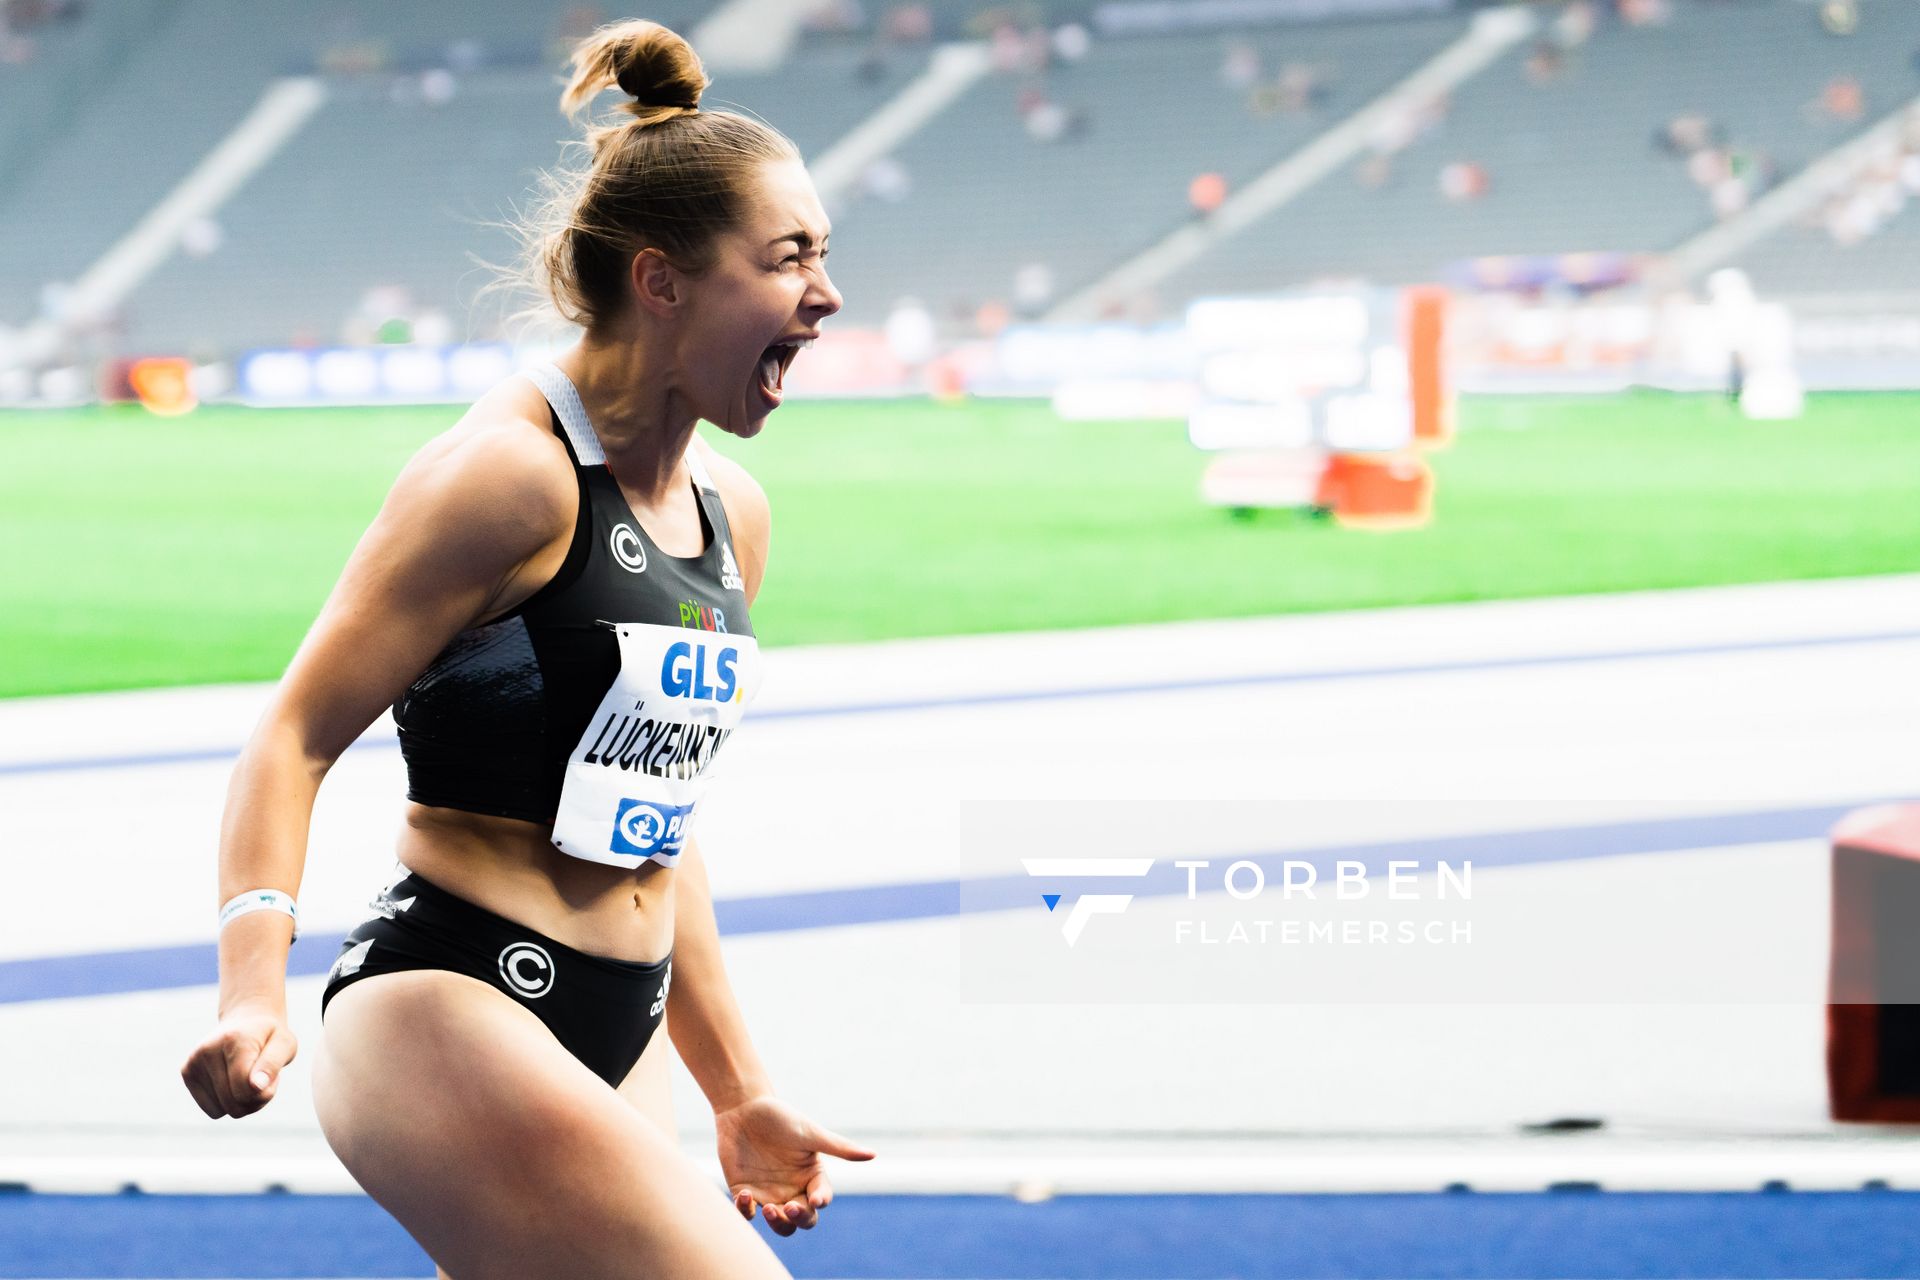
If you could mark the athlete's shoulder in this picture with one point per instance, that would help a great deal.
(499, 466)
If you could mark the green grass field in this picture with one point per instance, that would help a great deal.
(147, 551)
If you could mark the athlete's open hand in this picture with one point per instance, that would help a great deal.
(235, 1071)
(770, 1155)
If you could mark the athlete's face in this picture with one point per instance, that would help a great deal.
(768, 287)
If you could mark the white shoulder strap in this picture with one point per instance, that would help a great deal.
(698, 465)
(565, 399)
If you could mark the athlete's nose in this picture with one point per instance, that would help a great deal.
(823, 299)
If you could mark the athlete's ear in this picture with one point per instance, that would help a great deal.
(657, 284)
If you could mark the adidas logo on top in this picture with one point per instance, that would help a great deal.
(729, 571)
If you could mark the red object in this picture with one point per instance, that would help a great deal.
(1427, 385)
(1207, 192)
(1377, 490)
(1873, 991)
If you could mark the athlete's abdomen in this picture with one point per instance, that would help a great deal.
(511, 868)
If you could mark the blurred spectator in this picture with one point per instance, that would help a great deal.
(1206, 193)
(437, 87)
(1071, 42)
(1843, 99)
(466, 55)
(20, 19)
(1399, 129)
(1545, 62)
(1685, 134)
(1644, 13)
(1301, 85)
(1048, 121)
(1879, 192)
(991, 318)
(355, 57)
(389, 314)
(1463, 180)
(886, 179)
(1374, 171)
(1014, 52)
(201, 238)
(1574, 27)
(1840, 17)
(1032, 289)
(1708, 166)
(1728, 196)
(1240, 65)
(432, 327)
(907, 24)
(910, 333)
(834, 17)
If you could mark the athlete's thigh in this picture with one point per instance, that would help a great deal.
(504, 1156)
(648, 1086)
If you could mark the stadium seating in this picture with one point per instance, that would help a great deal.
(1571, 162)
(385, 189)
(389, 186)
(987, 199)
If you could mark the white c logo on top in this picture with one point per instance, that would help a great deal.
(627, 549)
(527, 969)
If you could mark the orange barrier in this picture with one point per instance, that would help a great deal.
(163, 384)
(1377, 490)
(1427, 383)
(1873, 982)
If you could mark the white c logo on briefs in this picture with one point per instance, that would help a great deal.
(526, 953)
(627, 549)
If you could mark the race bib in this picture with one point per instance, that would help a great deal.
(639, 770)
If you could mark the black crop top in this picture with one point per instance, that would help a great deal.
(505, 716)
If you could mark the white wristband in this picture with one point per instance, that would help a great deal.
(261, 900)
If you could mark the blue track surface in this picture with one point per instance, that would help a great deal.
(1555, 1234)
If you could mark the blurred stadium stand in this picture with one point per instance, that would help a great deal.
(1570, 149)
(1080, 150)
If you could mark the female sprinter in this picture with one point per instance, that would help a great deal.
(554, 602)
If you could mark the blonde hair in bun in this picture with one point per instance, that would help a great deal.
(655, 67)
(671, 179)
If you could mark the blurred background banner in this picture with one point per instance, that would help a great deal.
(1463, 448)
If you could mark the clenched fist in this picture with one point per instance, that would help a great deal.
(235, 1071)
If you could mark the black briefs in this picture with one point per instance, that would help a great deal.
(603, 1011)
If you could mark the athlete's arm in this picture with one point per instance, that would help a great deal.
(703, 1018)
(464, 518)
(769, 1152)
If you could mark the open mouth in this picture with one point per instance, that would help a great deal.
(774, 363)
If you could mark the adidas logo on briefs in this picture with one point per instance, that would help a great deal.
(729, 571)
(350, 961)
(390, 907)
